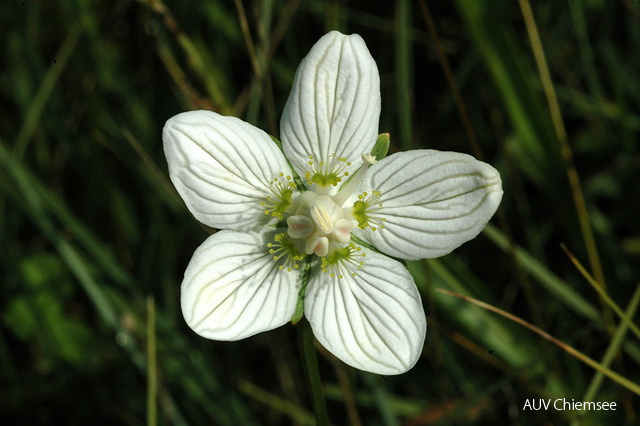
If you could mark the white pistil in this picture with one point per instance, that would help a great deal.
(322, 218)
(322, 225)
(317, 245)
(299, 226)
(342, 230)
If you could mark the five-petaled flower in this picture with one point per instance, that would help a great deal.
(323, 222)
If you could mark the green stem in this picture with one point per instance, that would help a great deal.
(152, 368)
(312, 373)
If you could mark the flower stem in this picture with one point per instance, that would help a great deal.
(312, 373)
(152, 367)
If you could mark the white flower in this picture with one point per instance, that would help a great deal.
(282, 240)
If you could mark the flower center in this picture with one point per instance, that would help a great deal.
(320, 223)
(317, 223)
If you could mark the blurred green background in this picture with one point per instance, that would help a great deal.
(94, 240)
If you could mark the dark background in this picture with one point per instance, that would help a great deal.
(94, 240)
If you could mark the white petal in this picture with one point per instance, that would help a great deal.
(432, 201)
(334, 105)
(233, 289)
(222, 167)
(373, 321)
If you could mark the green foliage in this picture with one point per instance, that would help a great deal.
(91, 228)
(40, 310)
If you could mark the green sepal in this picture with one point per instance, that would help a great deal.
(306, 274)
(301, 186)
(277, 142)
(381, 147)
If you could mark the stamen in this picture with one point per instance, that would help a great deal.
(326, 174)
(284, 251)
(346, 260)
(282, 189)
(366, 209)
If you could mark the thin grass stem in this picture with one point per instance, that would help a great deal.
(614, 347)
(623, 381)
(626, 319)
(561, 134)
(152, 365)
(403, 72)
